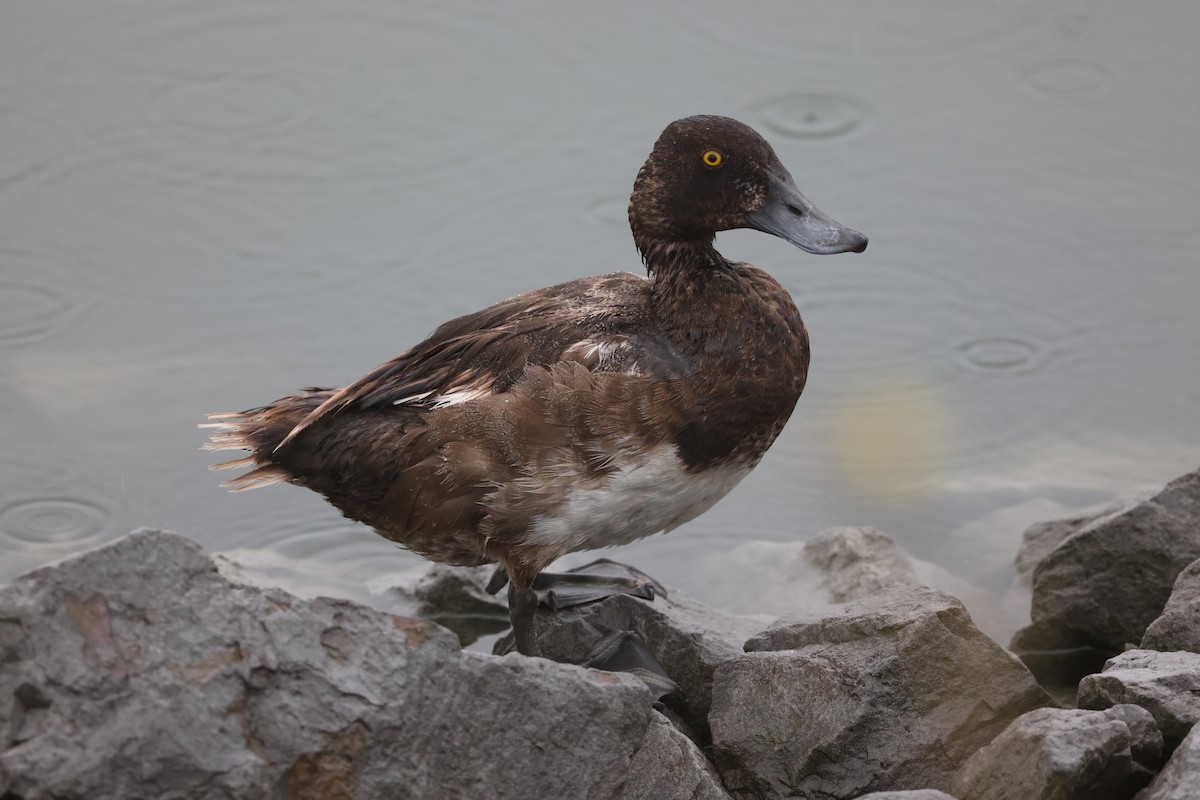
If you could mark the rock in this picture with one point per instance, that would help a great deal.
(836, 565)
(455, 597)
(908, 794)
(858, 561)
(1180, 778)
(1041, 538)
(1165, 684)
(893, 691)
(688, 638)
(1062, 754)
(137, 670)
(1106, 582)
(668, 764)
(1178, 627)
(841, 564)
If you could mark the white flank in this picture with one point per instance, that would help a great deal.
(649, 493)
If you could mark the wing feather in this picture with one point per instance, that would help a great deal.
(487, 351)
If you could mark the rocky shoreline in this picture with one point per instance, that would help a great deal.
(145, 668)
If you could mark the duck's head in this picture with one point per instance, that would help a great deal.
(709, 174)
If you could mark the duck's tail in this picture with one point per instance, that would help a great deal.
(260, 430)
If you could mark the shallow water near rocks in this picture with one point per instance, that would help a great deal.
(207, 206)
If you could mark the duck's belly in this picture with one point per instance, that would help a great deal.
(644, 496)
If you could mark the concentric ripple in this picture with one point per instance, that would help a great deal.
(1000, 353)
(50, 508)
(39, 294)
(1068, 79)
(812, 116)
(54, 521)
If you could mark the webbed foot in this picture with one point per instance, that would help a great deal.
(589, 583)
(616, 650)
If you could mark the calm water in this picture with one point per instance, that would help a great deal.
(204, 206)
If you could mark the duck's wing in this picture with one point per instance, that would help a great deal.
(586, 321)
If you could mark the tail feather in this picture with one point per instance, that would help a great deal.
(257, 479)
(259, 430)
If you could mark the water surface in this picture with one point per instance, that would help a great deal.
(206, 206)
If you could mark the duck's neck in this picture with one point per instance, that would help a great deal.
(679, 266)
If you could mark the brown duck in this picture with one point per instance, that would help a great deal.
(583, 415)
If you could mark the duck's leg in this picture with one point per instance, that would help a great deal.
(522, 604)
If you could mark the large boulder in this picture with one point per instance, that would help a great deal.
(892, 691)
(1178, 627)
(1180, 778)
(1165, 684)
(1063, 754)
(1107, 581)
(138, 670)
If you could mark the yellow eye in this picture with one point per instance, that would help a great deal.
(712, 158)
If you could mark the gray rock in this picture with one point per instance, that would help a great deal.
(893, 691)
(454, 597)
(667, 765)
(1041, 538)
(858, 561)
(688, 638)
(1105, 583)
(1062, 754)
(1178, 627)
(1165, 684)
(908, 794)
(837, 565)
(137, 670)
(1180, 778)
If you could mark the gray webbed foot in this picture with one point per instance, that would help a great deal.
(589, 583)
(624, 651)
(616, 650)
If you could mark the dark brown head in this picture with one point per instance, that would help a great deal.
(709, 174)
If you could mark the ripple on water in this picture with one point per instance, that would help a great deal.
(55, 521)
(1067, 79)
(39, 294)
(229, 102)
(878, 33)
(811, 116)
(50, 509)
(1000, 353)
(223, 252)
(988, 373)
(280, 125)
(30, 146)
(308, 530)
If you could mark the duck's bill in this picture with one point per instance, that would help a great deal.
(792, 216)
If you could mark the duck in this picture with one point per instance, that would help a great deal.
(579, 416)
